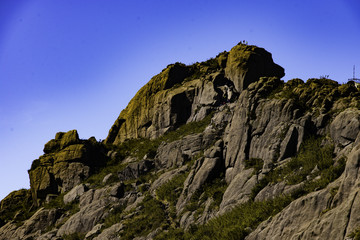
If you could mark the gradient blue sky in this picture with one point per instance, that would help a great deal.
(67, 64)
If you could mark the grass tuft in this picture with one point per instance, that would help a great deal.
(151, 216)
(140, 147)
(236, 224)
(171, 190)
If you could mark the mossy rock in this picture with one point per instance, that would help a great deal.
(136, 112)
(153, 110)
(15, 206)
(246, 64)
(71, 153)
(67, 162)
(61, 141)
(320, 95)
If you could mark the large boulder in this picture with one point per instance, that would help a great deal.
(138, 115)
(238, 191)
(204, 170)
(136, 169)
(75, 193)
(68, 162)
(246, 64)
(177, 153)
(39, 222)
(345, 127)
(271, 129)
(61, 141)
(84, 220)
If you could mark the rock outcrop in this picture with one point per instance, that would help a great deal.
(222, 149)
(66, 163)
(331, 213)
(180, 93)
(246, 64)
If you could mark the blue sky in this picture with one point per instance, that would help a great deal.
(76, 64)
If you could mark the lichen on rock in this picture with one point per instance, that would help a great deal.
(174, 96)
(222, 149)
(66, 163)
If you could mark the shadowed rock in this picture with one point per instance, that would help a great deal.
(67, 163)
(179, 92)
(246, 64)
(263, 139)
(135, 170)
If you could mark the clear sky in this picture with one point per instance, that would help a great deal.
(67, 64)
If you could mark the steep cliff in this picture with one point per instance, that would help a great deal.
(181, 94)
(222, 149)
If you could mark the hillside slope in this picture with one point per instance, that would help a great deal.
(222, 149)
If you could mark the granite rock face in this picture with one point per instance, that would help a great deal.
(323, 214)
(345, 127)
(246, 64)
(66, 163)
(198, 143)
(161, 105)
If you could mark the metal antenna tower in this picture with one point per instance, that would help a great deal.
(354, 78)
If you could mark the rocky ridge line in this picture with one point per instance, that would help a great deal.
(204, 142)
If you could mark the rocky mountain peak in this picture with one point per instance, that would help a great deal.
(246, 64)
(181, 93)
(222, 149)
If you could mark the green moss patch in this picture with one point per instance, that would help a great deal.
(16, 206)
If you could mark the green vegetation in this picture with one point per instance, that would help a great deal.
(211, 64)
(140, 147)
(326, 176)
(114, 168)
(310, 156)
(74, 236)
(146, 178)
(355, 235)
(171, 190)
(151, 216)
(16, 206)
(322, 94)
(233, 225)
(214, 190)
(58, 202)
(313, 165)
(238, 223)
(115, 216)
(255, 163)
(199, 70)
